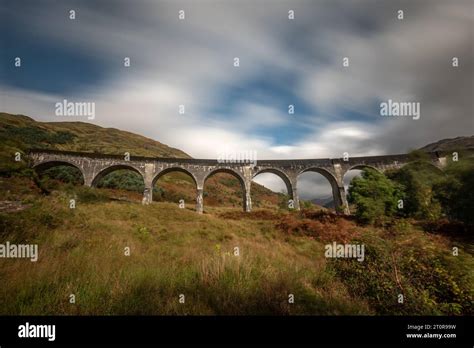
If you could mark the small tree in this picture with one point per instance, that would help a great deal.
(418, 179)
(375, 197)
(456, 192)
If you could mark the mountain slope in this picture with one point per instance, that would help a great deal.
(19, 133)
(458, 143)
(23, 131)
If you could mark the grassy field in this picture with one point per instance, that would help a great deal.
(175, 251)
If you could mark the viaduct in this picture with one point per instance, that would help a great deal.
(94, 166)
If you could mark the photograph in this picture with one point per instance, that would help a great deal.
(192, 171)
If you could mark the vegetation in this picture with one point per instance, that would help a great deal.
(455, 192)
(20, 133)
(426, 192)
(174, 251)
(417, 180)
(375, 196)
(416, 251)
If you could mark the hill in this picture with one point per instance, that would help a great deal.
(19, 133)
(326, 202)
(119, 257)
(458, 143)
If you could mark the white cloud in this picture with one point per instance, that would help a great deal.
(190, 62)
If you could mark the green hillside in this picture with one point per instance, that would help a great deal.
(119, 257)
(20, 133)
(454, 144)
(175, 251)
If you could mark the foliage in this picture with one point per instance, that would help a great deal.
(375, 197)
(175, 251)
(123, 179)
(456, 191)
(417, 180)
(90, 195)
(66, 174)
(431, 280)
(35, 136)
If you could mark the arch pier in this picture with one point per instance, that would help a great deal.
(94, 166)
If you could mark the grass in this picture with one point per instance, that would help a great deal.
(175, 251)
(85, 256)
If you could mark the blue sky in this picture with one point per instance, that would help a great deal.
(282, 62)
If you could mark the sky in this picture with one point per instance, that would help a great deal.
(282, 62)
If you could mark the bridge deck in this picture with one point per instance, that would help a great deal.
(264, 162)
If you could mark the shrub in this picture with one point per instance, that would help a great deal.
(418, 179)
(375, 197)
(456, 192)
(66, 174)
(90, 195)
(124, 180)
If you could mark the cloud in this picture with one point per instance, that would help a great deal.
(190, 62)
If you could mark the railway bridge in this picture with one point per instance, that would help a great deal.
(94, 166)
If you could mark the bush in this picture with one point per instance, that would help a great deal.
(456, 192)
(375, 197)
(35, 136)
(90, 195)
(431, 281)
(124, 180)
(418, 179)
(66, 174)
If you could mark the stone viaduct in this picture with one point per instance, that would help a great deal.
(94, 166)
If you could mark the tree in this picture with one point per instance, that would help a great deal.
(417, 180)
(375, 197)
(456, 192)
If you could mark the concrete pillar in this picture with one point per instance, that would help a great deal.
(292, 191)
(442, 162)
(247, 196)
(338, 191)
(147, 195)
(340, 201)
(88, 179)
(247, 172)
(148, 180)
(294, 197)
(248, 201)
(199, 201)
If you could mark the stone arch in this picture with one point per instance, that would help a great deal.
(324, 172)
(42, 166)
(281, 174)
(176, 169)
(238, 176)
(232, 172)
(338, 192)
(173, 169)
(113, 168)
(362, 167)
